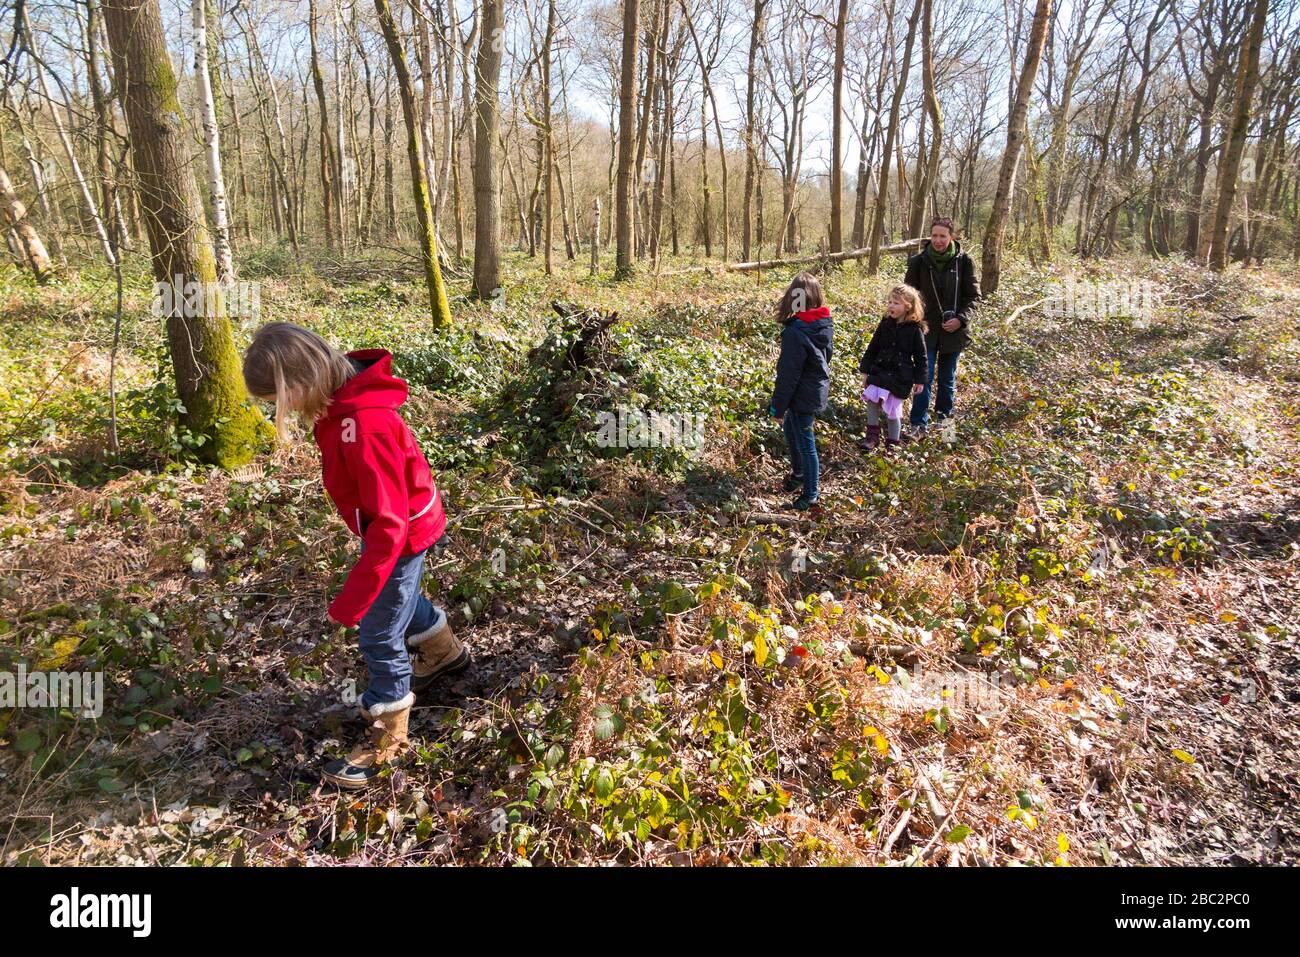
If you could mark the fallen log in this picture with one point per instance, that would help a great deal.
(905, 246)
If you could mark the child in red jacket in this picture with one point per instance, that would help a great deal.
(381, 485)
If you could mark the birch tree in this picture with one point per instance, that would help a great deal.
(15, 214)
(212, 146)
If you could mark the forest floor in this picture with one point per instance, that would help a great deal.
(1063, 631)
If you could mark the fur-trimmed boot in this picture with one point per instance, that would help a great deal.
(387, 742)
(891, 445)
(871, 440)
(435, 651)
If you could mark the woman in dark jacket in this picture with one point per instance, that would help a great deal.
(945, 278)
(803, 379)
(894, 365)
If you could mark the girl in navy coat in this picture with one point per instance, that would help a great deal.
(803, 379)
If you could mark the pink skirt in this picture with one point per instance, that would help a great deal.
(893, 404)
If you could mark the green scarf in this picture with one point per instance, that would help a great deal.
(941, 259)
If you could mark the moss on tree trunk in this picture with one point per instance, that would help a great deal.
(202, 346)
(441, 312)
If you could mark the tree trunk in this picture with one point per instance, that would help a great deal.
(327, 163)
(287, 180)
(344, 167)
(439, 311)
(548, 144)
(16, 213)
(390, 197)
(751, 154)
(204, 358)
(626, 114)
(641, 208)
(925, 184)
(487, 130)
(1247, 76)
(212, 146)
(706, 211)
(108, 199)
(882, 191)
(706, 68)
(837, 130)
(995, 231)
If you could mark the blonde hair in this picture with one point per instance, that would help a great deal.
(296, 369)
(915, 311)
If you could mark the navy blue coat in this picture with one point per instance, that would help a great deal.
(803, 372)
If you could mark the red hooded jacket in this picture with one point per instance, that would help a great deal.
(378, 479)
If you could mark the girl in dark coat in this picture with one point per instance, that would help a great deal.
(803, 379)
(894, 365)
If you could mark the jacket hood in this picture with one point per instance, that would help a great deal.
(374, 387)
(812, 315)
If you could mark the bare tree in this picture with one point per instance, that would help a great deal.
(891, 134)
(995, 230)
(1230, 168)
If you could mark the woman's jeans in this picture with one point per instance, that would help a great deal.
(947, 369)
(803, 450)
(400, 610)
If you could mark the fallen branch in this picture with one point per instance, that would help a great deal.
(714, 269)
(898, 828)
(768, 518)
(905, 246)
(1029, 305)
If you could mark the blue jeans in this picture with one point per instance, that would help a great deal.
(400, 610)
(803, 450)
(947, 368)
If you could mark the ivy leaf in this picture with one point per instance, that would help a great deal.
(554, 755)
(608, 723)
(958, 834)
